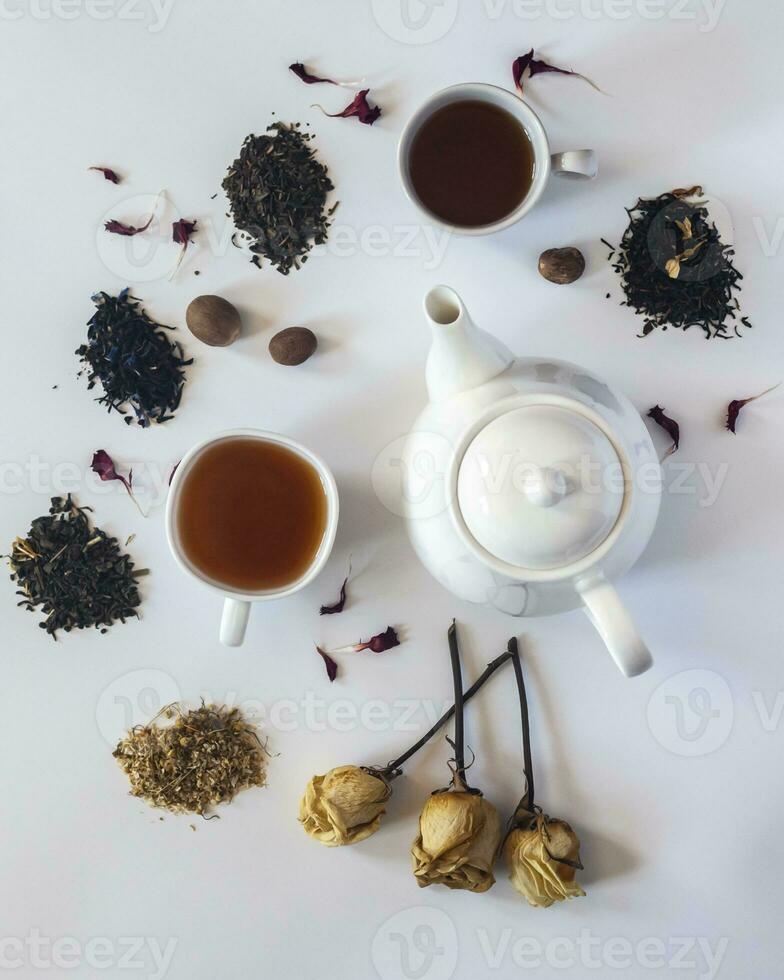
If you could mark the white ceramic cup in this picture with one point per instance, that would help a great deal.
(236, 604)
(577, 164)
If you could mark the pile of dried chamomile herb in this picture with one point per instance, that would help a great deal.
(277, 190)
(139, 368)
(199, 759)
(76, 573)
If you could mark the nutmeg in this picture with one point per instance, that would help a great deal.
(213, 320)
(562, 265)
(293, 345)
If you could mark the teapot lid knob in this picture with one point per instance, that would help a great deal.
(544, 486)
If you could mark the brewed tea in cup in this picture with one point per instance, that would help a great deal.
(475, 158)
(252, 515)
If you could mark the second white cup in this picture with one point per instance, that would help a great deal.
(577, 164)
(236, 604)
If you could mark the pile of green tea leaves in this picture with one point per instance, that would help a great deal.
(198, 759)
(74, 572)
(277, 190)
(138, 367)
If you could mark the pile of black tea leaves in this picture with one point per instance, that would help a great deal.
(75, 573)
(675, 270)
(138, 366)
(277, 190)
(189, 761)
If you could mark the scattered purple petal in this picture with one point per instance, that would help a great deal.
(103, 465)
(174, 470)
(182, 231)
(329, 663)
(669, 425)
(309, 78)
(380, 642)
(376, 644)
(108, 173)
(734, 407)
(358, 107)
(304, 75)
(118, 228)
(338, 606)
(534, 66)
(181, 234)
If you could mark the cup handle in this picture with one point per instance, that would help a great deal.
(234, 622)
(615, 626)
(575, 164)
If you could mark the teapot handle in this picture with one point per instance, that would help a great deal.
(615, 626)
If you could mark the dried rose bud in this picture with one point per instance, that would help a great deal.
(343, 806)
(543, 855)
(459, 834)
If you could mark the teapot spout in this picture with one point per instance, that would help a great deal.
(461, 356)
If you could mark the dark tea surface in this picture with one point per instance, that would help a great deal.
(471, 163)
(251, 514)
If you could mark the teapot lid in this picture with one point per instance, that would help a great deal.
(540, 486)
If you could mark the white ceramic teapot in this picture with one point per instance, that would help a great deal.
(542, 484)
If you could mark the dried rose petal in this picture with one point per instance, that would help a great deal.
(734, 407)
(535, 66)
(357, 107)
(182, 231)
(669, 425)
(103, 465)
(118, 228)
(329, 663)
(174, 470)
(337, 607)
(108, 173)
(302, 73)
(376, 644)
(181, 234)
(380, 642)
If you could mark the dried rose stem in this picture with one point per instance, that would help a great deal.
(457, 677)
(527, 801)
(486, 674)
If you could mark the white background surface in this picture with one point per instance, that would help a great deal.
(681, 851)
